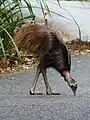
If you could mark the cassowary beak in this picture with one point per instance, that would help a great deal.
(71, 82)
(73, 85)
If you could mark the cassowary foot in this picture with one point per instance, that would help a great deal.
(38, 93)
(52, 93)
(34, 93)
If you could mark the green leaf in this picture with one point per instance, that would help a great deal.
(12, 41)
(29, 7)
(41, 7)
(3, 50)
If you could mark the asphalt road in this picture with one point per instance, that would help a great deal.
(17, 104)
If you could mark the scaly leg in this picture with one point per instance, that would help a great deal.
(32, 90)
(48, 88)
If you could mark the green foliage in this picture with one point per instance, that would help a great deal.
(2, 47)
(11, 17)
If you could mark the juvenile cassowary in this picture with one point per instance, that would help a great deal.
(49, 50)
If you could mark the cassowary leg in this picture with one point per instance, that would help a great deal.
(48, 88)
(32, 90)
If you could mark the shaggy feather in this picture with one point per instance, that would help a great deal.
(44, 43)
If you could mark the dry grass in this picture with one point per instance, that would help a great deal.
(79, 47)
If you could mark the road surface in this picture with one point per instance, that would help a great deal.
(17, 104)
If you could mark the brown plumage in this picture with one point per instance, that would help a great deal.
(49, 49)
(33, 38)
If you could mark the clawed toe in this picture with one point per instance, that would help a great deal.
(38, 93)
(31, 93)
(35, 93)
(52, 93)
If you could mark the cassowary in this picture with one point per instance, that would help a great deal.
(49, 50)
